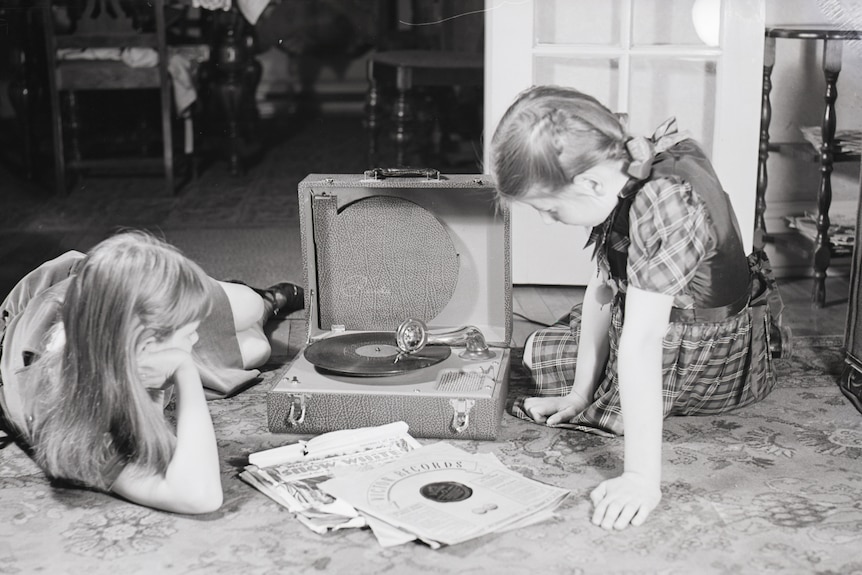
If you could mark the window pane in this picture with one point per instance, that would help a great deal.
(578, 22)
(675, 22)
(682, 88)
(597, 77)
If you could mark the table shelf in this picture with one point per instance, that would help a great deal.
(805, 151)
(832, 39)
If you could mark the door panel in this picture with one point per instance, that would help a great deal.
(642, 57)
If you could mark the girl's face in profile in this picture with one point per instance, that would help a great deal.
(580, 203)
(587, 201)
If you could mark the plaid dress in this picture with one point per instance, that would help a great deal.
(710, 364)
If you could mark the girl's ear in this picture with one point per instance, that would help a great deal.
(590, 182)
(145, 344)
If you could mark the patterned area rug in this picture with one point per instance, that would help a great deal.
(773, 488)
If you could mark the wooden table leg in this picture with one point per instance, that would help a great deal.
(831, 70)
(760, 237)
(372, 115)
(235, 78)
(402, 115)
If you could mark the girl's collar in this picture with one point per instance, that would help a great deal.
(629, 189)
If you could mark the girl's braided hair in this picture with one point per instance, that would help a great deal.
(549, 135)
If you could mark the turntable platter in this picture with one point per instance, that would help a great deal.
(370, 354)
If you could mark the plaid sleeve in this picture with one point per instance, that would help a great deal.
(669, 237)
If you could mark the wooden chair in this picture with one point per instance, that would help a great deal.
(104, 24)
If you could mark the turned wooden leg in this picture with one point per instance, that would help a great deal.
(230, 81)
(402, 115)
(822, 255)
(73, 131)
(760, 237)
(372, 116)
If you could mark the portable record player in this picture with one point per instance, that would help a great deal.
(408, 306)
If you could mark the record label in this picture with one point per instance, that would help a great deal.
(446, 491)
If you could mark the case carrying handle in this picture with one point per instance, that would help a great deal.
(383, 173)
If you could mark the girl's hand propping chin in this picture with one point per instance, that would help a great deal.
(157, 368)
(555, 410)
(624, 500)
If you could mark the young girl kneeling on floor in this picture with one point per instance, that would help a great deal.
(93, 346)
(673, 322)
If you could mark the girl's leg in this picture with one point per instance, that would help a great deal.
(247, 306)
(250, 312)
(528, 351)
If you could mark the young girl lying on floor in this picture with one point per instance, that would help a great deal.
(673, 322)
(92, 348)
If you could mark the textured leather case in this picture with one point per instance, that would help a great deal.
(376, 251)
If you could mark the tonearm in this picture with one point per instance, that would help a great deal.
(412, 335)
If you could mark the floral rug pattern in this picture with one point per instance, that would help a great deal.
(773, 488)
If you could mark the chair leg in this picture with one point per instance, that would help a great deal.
(167, 139)
(59, 151)
(71, 123)
(74, 125)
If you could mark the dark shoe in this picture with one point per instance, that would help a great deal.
(285, 298)
(280, 300)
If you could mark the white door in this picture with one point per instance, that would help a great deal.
(698, 60)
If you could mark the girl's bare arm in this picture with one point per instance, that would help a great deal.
(629, 498)
(192, 483)
(592, 356)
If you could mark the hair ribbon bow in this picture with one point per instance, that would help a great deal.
(643, 150)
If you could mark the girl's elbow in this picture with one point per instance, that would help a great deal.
(203, 501)
(211, 503)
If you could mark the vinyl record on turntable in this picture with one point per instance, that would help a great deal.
(370, 354)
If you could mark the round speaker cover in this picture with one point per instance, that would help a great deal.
(382, 259)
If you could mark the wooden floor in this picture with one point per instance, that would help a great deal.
(545, 304)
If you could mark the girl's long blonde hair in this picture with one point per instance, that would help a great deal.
(549, 135)
(92, 407)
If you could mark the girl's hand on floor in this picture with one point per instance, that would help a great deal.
(624, 500)
(156, 369)
(554, 410)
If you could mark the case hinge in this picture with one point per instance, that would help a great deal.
(461, 415)
(296, 412)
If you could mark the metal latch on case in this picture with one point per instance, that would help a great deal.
(461, 415)
(296, 412)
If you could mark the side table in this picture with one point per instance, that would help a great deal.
(833, 40)
(405, 71)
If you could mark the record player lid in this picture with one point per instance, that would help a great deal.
(461, 275)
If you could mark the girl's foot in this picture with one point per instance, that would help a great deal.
(279, 300)
(282, 299)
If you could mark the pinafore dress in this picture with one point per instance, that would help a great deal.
(716, 351)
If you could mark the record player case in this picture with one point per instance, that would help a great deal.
(379, 248)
